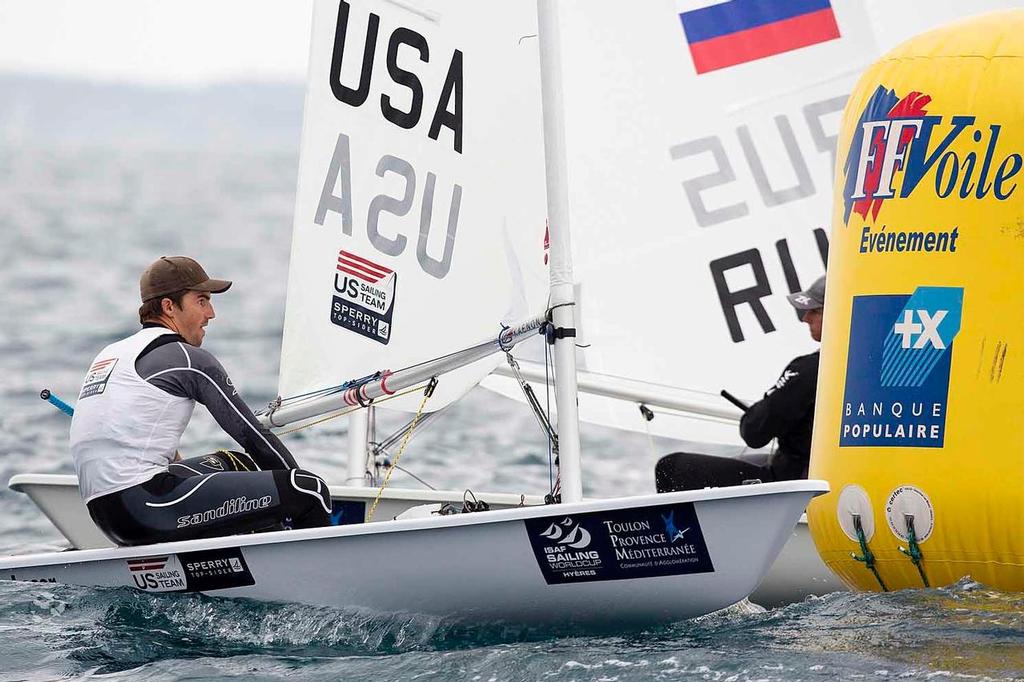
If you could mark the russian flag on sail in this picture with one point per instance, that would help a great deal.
(738, 31)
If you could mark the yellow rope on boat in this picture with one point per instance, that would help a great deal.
(235, 461)
(429, 391)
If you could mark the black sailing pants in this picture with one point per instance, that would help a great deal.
(210, 496)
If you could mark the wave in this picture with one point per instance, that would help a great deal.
(965, 631)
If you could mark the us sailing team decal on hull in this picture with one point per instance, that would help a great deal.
(364, 297)
(157, 574)
(214, 569)
(629, 543)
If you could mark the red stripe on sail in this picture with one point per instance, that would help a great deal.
(764, 41)
(375, 271)
(368, 263)
(349, 269)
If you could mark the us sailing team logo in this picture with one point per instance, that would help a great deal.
(157, 574)
(898, 147)
(364, 297)
(97, 378)
(897, 374)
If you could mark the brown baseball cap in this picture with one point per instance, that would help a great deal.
(168, 274)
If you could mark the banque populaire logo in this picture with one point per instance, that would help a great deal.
(899, 148)
(897, 375)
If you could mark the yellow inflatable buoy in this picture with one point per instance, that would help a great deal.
(919, 425)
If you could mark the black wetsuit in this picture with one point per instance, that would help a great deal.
(218, 494)
(786, 413)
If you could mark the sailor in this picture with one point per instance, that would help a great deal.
(135, 403)
(786, 412)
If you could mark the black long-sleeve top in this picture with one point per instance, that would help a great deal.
(786, 412)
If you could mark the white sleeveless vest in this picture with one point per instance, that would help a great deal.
(125, 430)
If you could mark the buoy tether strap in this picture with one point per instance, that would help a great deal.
(866, 557)
(914, 551)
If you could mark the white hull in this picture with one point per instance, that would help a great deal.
(58, 497)
(481, 566)
(797, 573)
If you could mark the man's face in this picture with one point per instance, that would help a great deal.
(192, 317)
(813, 320)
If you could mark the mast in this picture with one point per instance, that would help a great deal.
(357, 451)
(563, 303)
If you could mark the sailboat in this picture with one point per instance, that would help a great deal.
(707, 187)
(701, 198)
(433, 89)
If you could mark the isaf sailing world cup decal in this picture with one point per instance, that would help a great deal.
(898, 148)
(364, 297)
(615, 545)
(897, 373)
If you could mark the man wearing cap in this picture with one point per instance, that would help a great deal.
(135, 403)
(786, 412)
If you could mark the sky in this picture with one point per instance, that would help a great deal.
(176, 42)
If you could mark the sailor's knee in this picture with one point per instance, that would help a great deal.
(311, 486)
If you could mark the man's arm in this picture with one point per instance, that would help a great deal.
(784, 406)
(190, 372)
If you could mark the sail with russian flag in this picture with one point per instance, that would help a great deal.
(738, 31)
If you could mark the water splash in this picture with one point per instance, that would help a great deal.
(963, 632)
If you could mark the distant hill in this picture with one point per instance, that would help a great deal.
(41, 110)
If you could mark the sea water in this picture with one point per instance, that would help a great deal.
(77, 224)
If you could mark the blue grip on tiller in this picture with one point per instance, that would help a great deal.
(57, 402)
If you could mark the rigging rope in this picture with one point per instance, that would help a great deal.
(427, 392)
(556, 484)
(409, 473)
(531, 399)
(648, 416)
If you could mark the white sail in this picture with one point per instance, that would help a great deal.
(700, 190)
(419, 220)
